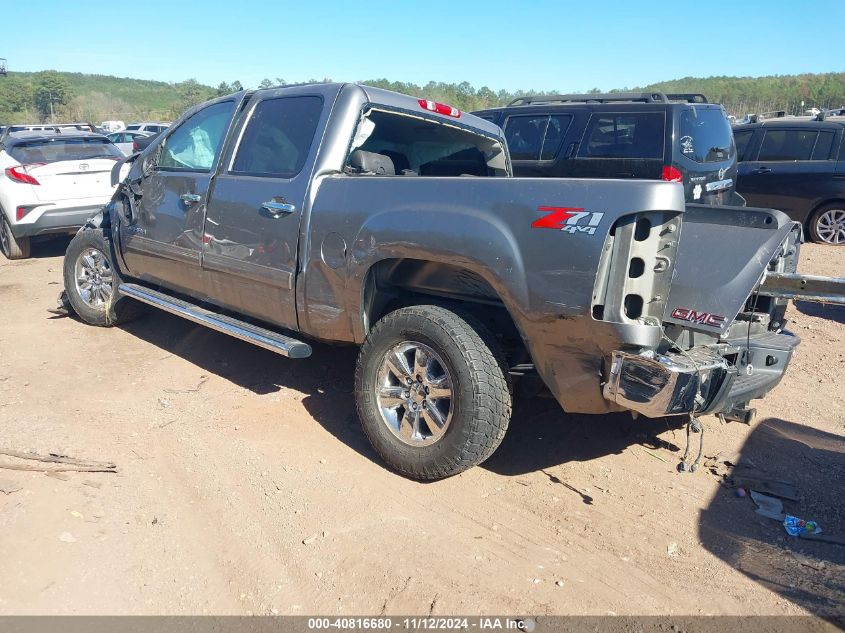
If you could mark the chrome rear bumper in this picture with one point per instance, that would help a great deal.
(707, 379)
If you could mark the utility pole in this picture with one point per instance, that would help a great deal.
(51, 108)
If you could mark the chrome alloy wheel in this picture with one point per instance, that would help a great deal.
(414, 393)
(830, 226)
(93, 278)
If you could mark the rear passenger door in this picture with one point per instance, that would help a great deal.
(162, 241)
(792, 167)
(251, 233)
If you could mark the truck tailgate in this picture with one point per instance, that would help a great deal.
(722, 254)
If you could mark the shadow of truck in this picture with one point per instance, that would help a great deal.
(808, 573)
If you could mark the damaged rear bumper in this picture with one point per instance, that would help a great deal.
(708, 379)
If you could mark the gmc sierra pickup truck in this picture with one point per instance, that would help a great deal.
(343, 213)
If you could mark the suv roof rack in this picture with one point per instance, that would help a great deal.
(637, 97)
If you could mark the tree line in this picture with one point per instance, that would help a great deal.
(36, 97)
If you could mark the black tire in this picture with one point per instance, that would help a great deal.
(12, 247)
(823, 222)
(480, 405)
(112, 310)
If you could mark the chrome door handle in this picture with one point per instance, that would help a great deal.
(278, 209)
(190, 198)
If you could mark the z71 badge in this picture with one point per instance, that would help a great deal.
(569, 219)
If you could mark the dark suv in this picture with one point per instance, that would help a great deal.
(796, 166)
(675, 137)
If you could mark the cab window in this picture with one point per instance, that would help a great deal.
(278, 137)
(195, 144)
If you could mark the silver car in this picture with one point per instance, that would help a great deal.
(124, 140)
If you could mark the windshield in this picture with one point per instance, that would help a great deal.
(706, 135)
(59, 149)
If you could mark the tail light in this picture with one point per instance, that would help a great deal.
(439, 108)
(20, 212)
(19, 174)
(671, 174)
(134, 146)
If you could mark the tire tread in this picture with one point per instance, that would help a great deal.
(491, 399)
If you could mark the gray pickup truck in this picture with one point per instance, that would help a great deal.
(338, 212)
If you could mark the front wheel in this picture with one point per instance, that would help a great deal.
(91, 281)
(432, 392)
(827, 225)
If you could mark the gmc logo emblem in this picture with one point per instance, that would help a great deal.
(702, 318)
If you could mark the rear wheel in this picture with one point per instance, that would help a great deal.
(827, 225)
(12, 247)
(91, 281)
(431, 391)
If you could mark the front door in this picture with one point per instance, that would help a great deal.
(162, 241)
(251, 230)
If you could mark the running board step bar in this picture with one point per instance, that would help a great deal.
(242, 330)
(804, 287)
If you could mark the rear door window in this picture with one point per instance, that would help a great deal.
(784, 145)
(824, 143)
(742, 139)
(624, 135)
(278, 137)
(536, 137)
(705, 135)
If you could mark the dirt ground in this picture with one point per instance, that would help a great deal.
(246, 486)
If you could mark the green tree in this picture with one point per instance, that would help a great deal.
(265, 83)
(236, 86)
(223, 89)
(49, 90)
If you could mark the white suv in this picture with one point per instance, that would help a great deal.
(51, 182)
(150, 127)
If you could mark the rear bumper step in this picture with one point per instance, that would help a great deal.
(262, 337)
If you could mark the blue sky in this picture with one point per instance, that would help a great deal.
(543, 45)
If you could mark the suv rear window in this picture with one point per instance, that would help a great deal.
(628, 135)
(58, 149)
(705, 135)
(535, 137)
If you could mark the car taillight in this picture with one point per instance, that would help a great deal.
(134, 146)
(671, 174)
(20, 212)
(439, 108)
(19, 174)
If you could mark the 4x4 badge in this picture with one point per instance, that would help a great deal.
(569, 219)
